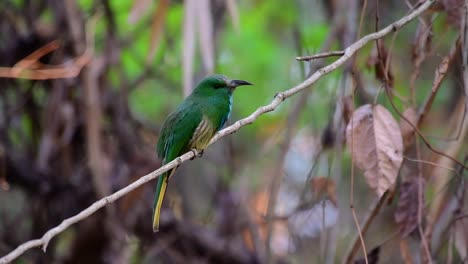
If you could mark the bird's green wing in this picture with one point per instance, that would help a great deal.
(176, 133)
(178, 130)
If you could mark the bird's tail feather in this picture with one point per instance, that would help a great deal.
(158, 198)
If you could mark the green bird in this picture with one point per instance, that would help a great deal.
(192, 125)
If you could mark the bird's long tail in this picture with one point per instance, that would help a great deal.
(159, 197)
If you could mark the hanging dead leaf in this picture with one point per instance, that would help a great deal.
(379, 61)
(157, 28)
(328, 136)
(375, 140)
(406, 214)
(348, 108)
(407, 131)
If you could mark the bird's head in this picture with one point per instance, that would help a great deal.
(217, 83)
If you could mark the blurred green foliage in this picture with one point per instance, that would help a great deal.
(261, 51)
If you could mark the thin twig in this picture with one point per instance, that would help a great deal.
(424, 139)
(439, 76)
(353, 211)
(433, 164)
(360, 235)
(424, 242)
(347, 76)
(30, 67)
(373, 212)
(425, 245)
(279, 98)
(33, 58)
(387, 85)
(291, 125)
(321, 55)
(361, 19)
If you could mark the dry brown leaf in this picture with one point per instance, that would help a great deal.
(157, 28)
(378, 60)
(328, 136)
(348, 108)
(406, 214)
(374, 138)
(407, 131)
(323, 185)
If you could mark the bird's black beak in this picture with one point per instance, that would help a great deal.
(235, 83)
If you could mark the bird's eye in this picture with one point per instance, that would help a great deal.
(219, 85)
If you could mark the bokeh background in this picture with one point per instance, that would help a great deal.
(86, 123)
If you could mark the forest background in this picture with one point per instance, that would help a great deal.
(85, 86)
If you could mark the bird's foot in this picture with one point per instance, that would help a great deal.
(197, 154)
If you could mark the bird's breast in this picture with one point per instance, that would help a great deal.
(202, 135)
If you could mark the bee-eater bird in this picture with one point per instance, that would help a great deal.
(192, 125)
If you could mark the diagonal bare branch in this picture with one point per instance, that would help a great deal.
(279, 98)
